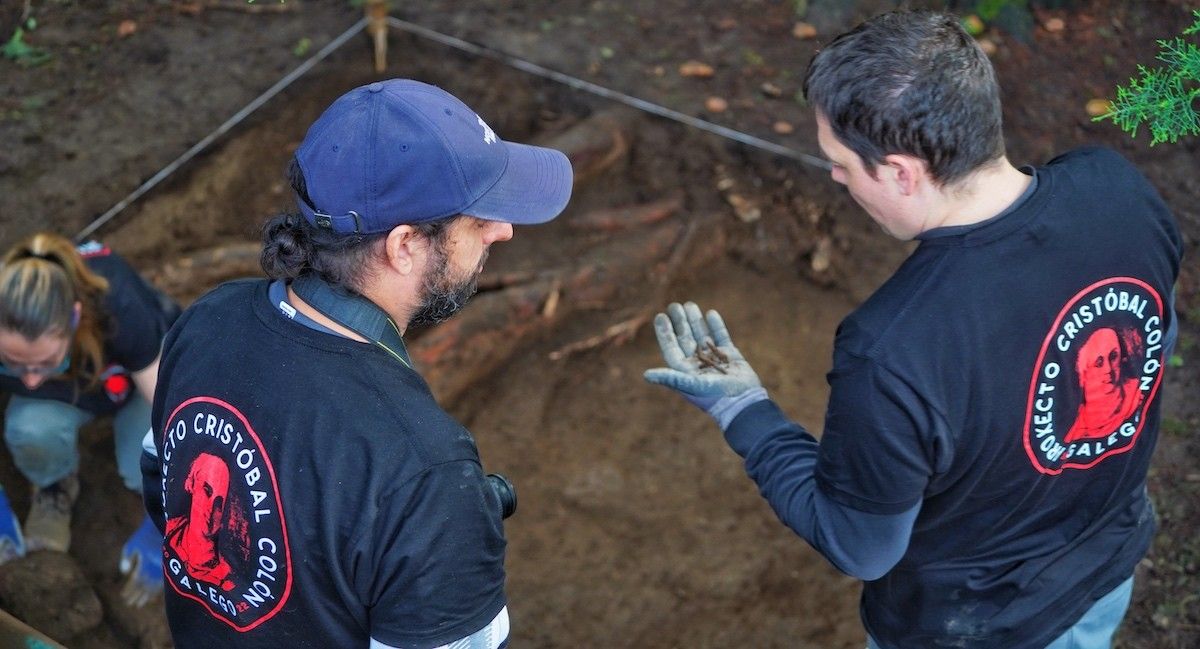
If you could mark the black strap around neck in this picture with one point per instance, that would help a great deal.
(354, 312)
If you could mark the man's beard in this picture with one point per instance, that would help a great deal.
(444, 297)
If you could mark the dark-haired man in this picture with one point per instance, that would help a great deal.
(947, 478)
(313, 492)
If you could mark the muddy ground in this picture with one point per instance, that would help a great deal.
(636, 523)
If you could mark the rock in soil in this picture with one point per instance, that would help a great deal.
(49, 592)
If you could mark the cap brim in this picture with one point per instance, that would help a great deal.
(534, 187)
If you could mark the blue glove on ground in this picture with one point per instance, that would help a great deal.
(703, 365)
(12, 543)
(141, 562)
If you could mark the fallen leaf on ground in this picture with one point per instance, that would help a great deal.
(1097, 107)
(771, 90)
(745, 209)
(988, 46)
(783, 128)
(126, 28)
(804, 31)
(1054, 25)
(696, 69)
(822, 255)
(716, 105)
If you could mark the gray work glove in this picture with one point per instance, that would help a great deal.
(702, 363)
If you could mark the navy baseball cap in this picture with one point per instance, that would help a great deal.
(401, 151)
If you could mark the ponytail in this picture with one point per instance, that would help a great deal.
(292, 247)
(41, 279)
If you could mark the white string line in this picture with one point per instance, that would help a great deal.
(587, 86)
(470, 48)
(222, 129)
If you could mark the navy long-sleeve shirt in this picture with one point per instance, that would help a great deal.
(781, 457)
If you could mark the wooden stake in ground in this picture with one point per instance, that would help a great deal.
(377, 11)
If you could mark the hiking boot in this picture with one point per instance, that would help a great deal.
(48, 526)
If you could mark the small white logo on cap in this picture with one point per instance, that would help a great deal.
(489, 136)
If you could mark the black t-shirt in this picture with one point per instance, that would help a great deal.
(998, 397)
(315, 495)
(138, 319)
(1005, 378)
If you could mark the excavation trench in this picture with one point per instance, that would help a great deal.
(636, 523)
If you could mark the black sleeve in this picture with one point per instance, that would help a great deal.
(781, 458)
(152, 489)
(139, 315)
(431, 570)
(882, 441)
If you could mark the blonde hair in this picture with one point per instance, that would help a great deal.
(41, 279)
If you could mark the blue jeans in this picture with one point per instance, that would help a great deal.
(1095, 629)
(42, 436)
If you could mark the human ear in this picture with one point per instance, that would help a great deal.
(401, 248)
(907, 172)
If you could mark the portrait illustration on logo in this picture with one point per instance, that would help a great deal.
(226, 544)
(1097, 374)
(1105, 367)
(196, 536)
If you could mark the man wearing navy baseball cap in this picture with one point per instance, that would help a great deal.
(311, 491)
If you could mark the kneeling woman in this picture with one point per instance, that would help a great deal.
(80, 333)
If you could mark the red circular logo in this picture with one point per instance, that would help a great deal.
(226, 544)
(1097, 373)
